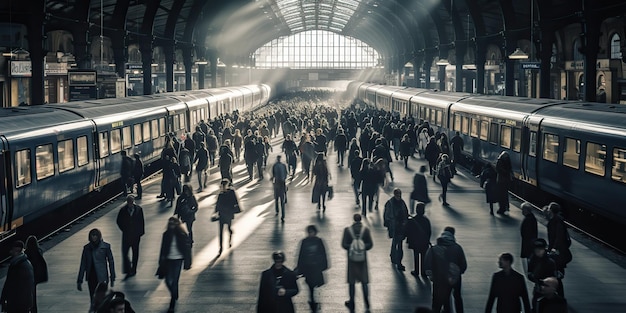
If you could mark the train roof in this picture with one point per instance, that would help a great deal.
(17, 120)
(584, 113)
(94, 109)
(518, 104)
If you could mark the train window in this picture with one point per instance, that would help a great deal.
(550, 147)
(137, 131)
(183, 122)
(126, 138)
(571, 153)
(474, 130)
(176, 119)
(202, 114)
(44, 161)
(116, 141)
(22, 164)
(484, 130)
(619, 165)
(594, 161)
(465, 126)
(505, 137)
(439, 115)
(103, 143)
(65, 151)
(432, 116)
(83, 154)
(146, 131)
(493, 134)
(194, 117)
(162, 127)
(517, 139)
(532, 144)
(155, 129)
(457, 122)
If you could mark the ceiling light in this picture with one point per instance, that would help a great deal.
(442, 62)
(518, 54)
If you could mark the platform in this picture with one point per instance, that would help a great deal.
(229, 283)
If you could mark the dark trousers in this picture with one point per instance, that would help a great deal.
(212, 157)
(280, 197)
(201, 174)
(230, 237)
(364, 202)
(441, 297)
(352, 291)
(92, 283)
(127, 266)
(189, 225)
(417, 257)
(259, 167)
(444, 187)
(126, 184)
(172, 277)
(250, 167)
(139, 188)
(340, 156)
(396, 249)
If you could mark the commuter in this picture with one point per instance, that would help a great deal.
(404, 148)
(356, 241)
(444, 146)
(171, 176)
(95, 258)
(559, 242)
(369, 186)
(307, 150)
(397, 134)
(19, 286)
(509, 287)
(420, 189)
(211, 146)
(199, 136)
(353, 148)
(130, 221)
(418, 232)
(175, 254)
(488, 182)
(267, 149)
(320, 187)
(540, 266)
(396, 216)
(202, 157)
(444, 173)
(250, 153)
(341, 145)
(186, 209)
(431, 153)
(190, 145)
(226, 207)
(185, 163)
(423, 139)
(278, 286)
(237, 143)
(381, 153)
(528, 231)
(138, 175)
(550, 301)
(291, 153)
(457, 148)
(279, 176)
(40, 267)
(504, 174)
(167, 153)
(126, 171)
(312, 262)
(445, 263)
(355, 172)
(261, 154)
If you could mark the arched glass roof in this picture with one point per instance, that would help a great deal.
(303, 15)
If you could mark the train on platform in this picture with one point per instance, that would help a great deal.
(571, 151)
(53, 154)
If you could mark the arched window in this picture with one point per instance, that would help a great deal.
(316, 49)
(578, 56)
(616, 48)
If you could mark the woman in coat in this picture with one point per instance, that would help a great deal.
(444, 173)
(320, 171)
(186, 208)
(369, 186)
(420, 189)
(40, 268)
(227, 206)
(96, 263)
(175, 254)
(503, 179)
(488, 182)
(405, 149)
(432, 153)
(237, 143)
(312, 262)
(226, 160)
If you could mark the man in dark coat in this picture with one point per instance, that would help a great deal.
(126, 171)
(279, 176)
(17, 293)
(341, 145)
(355, 172)
(260, 152)
(357, 271)
(212, 145)
(540, 266)
(504, 172)
(312, 262)
(138, 174)
(438, 262)
(528, 230)
(508, 286)
(420, 189)
(559, 242)
(457, 147)
(250, 154)
(550, 301)
(202, 156)
(488, 182)
(291, 153)
(418, 232)
(396, 216)
(130, 221)
(278, 286)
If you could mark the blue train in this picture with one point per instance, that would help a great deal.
(53, 154)
(572, 150)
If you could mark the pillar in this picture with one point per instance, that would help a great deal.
(591, 47)
(460, 50)
(201, 75)
(213, 70)
(188, 61)
(37, 54)
(428, 61)
(118, 41)
(146, 62)
(481, 59)
(509, 78)
(547, 39)
(168, 49)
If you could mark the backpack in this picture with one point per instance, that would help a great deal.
(453, 271)
(356, 252)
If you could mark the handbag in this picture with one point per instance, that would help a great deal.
(215, 217)
(331, 192)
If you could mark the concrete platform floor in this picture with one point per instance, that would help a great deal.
(229, 283)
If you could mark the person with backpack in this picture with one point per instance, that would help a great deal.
(444, 264)
(418, 232)
(312, 262)
(356, 241)
(396, 216)
(186, 209)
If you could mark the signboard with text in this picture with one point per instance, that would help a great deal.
(531, 65)
(21, 69)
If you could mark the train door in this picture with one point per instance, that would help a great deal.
(530, 148)
(5, 212)
(98, 161)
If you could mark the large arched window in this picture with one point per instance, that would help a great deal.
(616, 49)
(316, 49)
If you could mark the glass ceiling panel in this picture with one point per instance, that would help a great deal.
(327, 14)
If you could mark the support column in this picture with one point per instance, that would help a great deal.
(460, 51)
(146, 62)
(168, 49)
(428, 61)
(213, 70)
(547, 39)
(37, 54)
(119, 53)
(481, 59)
(188, 60)
(201, 75)
(509, 78)
(442, 77)
(417, 73)
(591, 47)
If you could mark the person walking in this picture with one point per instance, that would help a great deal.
(431, 153)
(508, 287)
(227, 206)
(126, 171)
(279, 176)
(528, 231)
(237, 144)
(19, 286)
(559, 242)
(202, 157)
(130, 221)
(444, 173)
(138, 174)
(40, 267)
(226, 161)
(186, 209)
(488, 182)
(96, 264)
(551, 301)
(418, 232)
(396, 216)
(504, 172)
(320, 187)
(369, 186)
(278, 286)
(457, 148)
(211, 145)
(405, 149)
(312, 262)
(420, 190)
(356, 241)
(341, 145)
(184, 157)
(540, 266)
(175, 254)
(445, 263)
(355, 173)
(250, 154)
(291, 154)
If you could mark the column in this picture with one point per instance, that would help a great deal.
(547, 39)
(188, 61)
(146, 61)
(213, 60)
(460, 50)
(481, 59)
(168, 49)
(591, 47)
(37, 54)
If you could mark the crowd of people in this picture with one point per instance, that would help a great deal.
(367, 141)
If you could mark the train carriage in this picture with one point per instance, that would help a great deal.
(433, 107)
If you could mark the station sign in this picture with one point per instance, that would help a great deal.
(21, 68)
(531, 65)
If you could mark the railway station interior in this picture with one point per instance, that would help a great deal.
(541, 81)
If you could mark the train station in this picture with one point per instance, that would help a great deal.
(312, 156)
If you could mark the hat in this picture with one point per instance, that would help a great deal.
(540, 243)
(278, 256)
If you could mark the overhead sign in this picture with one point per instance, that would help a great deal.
(21, 68)
(531, 65)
